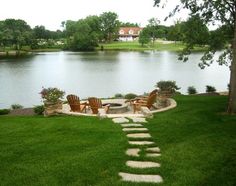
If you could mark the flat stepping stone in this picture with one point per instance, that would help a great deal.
(138, 120)
(141, 142)
(120, 120)
(153, 155)
(139, 135)
(153, 149)
(142, 164)
(134, 129)
(132, 125)
(133, 152)
(140, 178)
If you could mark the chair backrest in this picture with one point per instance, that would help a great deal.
(74, 102)
(95, 104)
(153, 92)
(151, 100)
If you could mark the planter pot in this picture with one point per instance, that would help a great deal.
(51, 108)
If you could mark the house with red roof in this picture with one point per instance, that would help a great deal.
(129, 33)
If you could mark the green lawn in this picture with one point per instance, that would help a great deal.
(136, 46)
(197, 141)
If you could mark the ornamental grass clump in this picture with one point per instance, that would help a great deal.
(52, 95)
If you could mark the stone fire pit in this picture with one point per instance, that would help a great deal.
(116, 106)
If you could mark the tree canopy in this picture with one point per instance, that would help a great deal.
(212, 12)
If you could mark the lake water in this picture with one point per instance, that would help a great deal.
(102, 74)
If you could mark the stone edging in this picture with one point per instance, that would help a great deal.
(172, 105)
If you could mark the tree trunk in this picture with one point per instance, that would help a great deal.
(232, 86)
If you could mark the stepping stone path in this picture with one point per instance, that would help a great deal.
(134, 129)
(132, 125)
(140, 178)
(138, 133)
(142, 164)
(120, 120)
(133, 152)
(138, 120)
(141, 142)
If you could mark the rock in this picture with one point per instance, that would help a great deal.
(140, 178)
(153, 149)
(141, 142)
(138, 120)
(133, 152)
(153, 154)
(102, 113)
(120, 120)
(134, 129)
(146, 112)
(131, 125)
(142, 164)
(139, 135)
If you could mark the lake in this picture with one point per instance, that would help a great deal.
(102, 74)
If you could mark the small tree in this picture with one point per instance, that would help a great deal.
(144, 37)
(210, 89)
(192, 90)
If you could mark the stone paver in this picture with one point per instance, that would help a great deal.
(131, 125)
(140, 178)
(133, 152)
(153, 149)
(134, 129)
(153, 154)
(120, 120)
(138, 120)
(142, 164)
(141, 142)
(139, 135)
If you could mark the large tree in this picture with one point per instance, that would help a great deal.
(109, 25)
(15, 32)
(216, 11)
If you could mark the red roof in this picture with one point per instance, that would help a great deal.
(129, 30)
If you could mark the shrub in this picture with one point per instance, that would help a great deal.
(167, 86)
(192, 90)
(118, 95)
(52, 94)
(4, 111)
(130, 96)
(210, 89)
(16, 106)
(39, 109)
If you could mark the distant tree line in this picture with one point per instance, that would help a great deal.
(192, 32)
(86, 34)
(16, 33)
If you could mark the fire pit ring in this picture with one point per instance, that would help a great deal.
(116, 108)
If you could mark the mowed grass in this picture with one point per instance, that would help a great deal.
(197, 141)
(136, 46)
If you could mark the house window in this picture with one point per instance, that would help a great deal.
(131, 31)
(121, 31)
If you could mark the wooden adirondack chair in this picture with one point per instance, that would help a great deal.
(75, 104)
(143, 98)
(144, 103)
(154, 92)
(95, 104)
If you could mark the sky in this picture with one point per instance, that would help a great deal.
(51, 13)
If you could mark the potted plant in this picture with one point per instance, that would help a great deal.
(52, 100)
(166, 90)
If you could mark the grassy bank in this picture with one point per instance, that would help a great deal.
(135, 46)
(197, 140)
